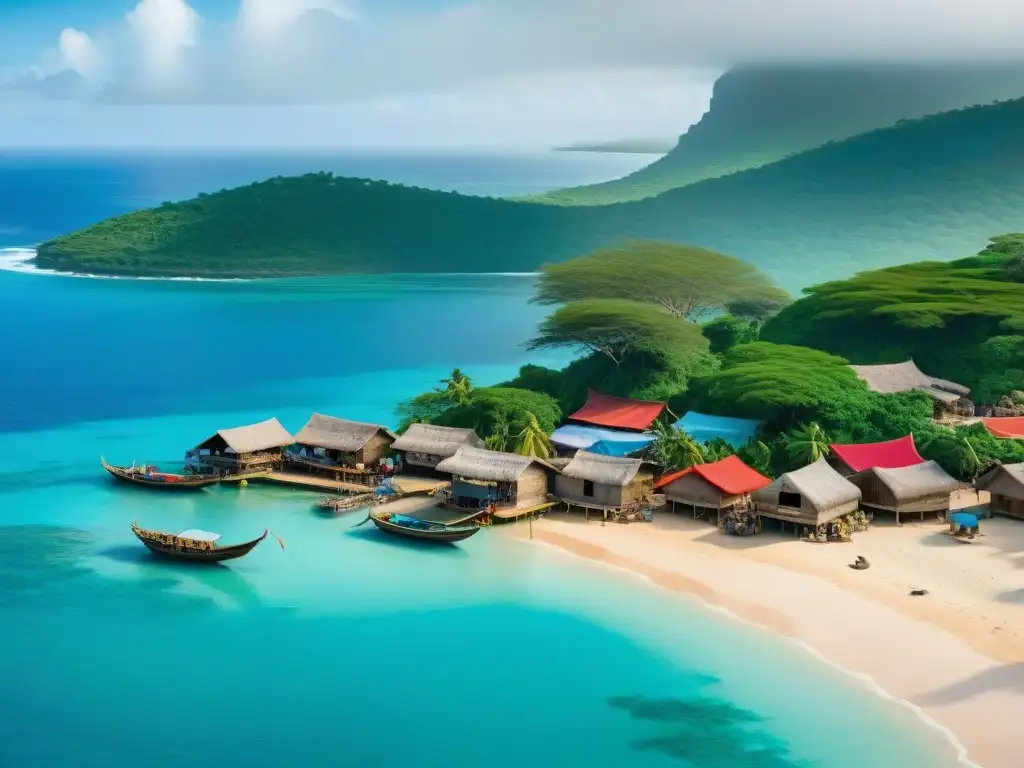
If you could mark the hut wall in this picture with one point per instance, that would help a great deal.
(695, 491)
(428, 460)
(377, 446)
(473, 495)
(1007, 505)
(807, 514)
(874, 493)
(642, 485)
(532, 488)
(571, 489)
(1004, 485)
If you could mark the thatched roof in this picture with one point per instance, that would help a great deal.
(818, 483)
(480, 464)
(338, 434)
(255, 437)
(604, 470)
(436, 441)
(1014, 471)
(903, 377)
(910, 484)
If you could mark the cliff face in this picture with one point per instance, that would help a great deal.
(761, 114)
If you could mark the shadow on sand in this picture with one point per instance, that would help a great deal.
(1009, 677)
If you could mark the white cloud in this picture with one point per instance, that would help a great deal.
(267, 19)
(78, 52)
(162, 30)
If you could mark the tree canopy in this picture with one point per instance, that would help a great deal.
(687, 281)
(490, 410)
(943, 316)
(617, 328)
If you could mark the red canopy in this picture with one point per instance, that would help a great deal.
(730, 475)
(891, 454)
(1007, 427)
(618, 412)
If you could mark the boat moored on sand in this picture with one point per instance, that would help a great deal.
(424, 530)
(151, 477)
(196, 545)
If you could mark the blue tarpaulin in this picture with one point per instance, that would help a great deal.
(609, 442)
(965, 519)
(703, 428)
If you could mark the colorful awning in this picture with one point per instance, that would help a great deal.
(892, 454)
(1005, 427)
(618, 412)
(609, 442)
(702, 428)
(730, 475)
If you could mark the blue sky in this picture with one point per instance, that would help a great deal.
(430, 72)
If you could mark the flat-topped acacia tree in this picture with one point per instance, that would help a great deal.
(687, 281)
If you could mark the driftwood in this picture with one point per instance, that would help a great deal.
(918, 592)
(861, 564)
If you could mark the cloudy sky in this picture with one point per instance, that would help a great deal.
(430, 72)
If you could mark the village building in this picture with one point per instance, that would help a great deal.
(570, 438)
(1005, 485)
(849, 459)
(713, 488)
(424, 446)
(703, 428)
(1005, 427)
(506, 484)
(254, 448)
(905, 377)
(920, 489)
(606, 484)
(608, 425)
(342, 443)
(811, 496)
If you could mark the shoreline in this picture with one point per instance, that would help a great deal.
(949, 674)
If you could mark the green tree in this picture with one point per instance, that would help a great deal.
(617, 328)
(954, 452)
(806, 444)
(489, 407)
(716, 449)
(426, 408)
(674, 449)
(758, 309)
(687, 281)
(757, 455)
(458, 387)
(533, 440)
(727, 331)
(500, 432)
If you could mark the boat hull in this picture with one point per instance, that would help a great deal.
(126, 475)
(446, 535)
(178, 550)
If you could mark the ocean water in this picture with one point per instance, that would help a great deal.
(346, 648)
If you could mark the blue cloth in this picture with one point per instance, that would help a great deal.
(703, 428)
(610, 442)
(965, 519)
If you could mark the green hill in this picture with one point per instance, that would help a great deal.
(761, 114)
(926, 189)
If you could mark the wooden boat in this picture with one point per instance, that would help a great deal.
(151, 477)
(345, 503)
(195, 545)
(414, 528)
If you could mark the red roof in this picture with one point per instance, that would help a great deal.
(1005, 426)
(730, 475)
(892, 454)
(618, 412)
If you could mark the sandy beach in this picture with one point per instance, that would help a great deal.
(956, 653)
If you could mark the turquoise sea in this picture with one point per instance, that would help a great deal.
(346, 648)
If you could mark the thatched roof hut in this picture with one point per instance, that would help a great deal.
(809, 496)
(481, 477)
(891, 454)
(266, 436)
(919, 488)
(903, 377)
(425, 445)
(1005, 483)
(340, 435)
(716, 486)
(595, 481)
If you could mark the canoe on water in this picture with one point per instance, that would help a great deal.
(151, 477)
(196, 545)
(414, 528)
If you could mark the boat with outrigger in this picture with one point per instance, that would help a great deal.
(196, 545)
(149, 476)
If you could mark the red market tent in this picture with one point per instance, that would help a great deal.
(618, 412)
(892, 454)
(1005, 427)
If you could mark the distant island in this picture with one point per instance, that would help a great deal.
(623, 146)
(923, 189)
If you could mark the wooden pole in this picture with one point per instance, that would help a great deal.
(530, 518)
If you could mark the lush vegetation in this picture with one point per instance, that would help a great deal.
(761, 114)
(962, 320)
(923, 189)
(687, 281)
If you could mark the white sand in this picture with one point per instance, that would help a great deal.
(956, 653)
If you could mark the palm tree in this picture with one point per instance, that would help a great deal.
(674, 448)
(458, 387)
(807, 444)
(756, 454)
(717, 449)
(498, 439)
(954, 452)
(533, 441)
